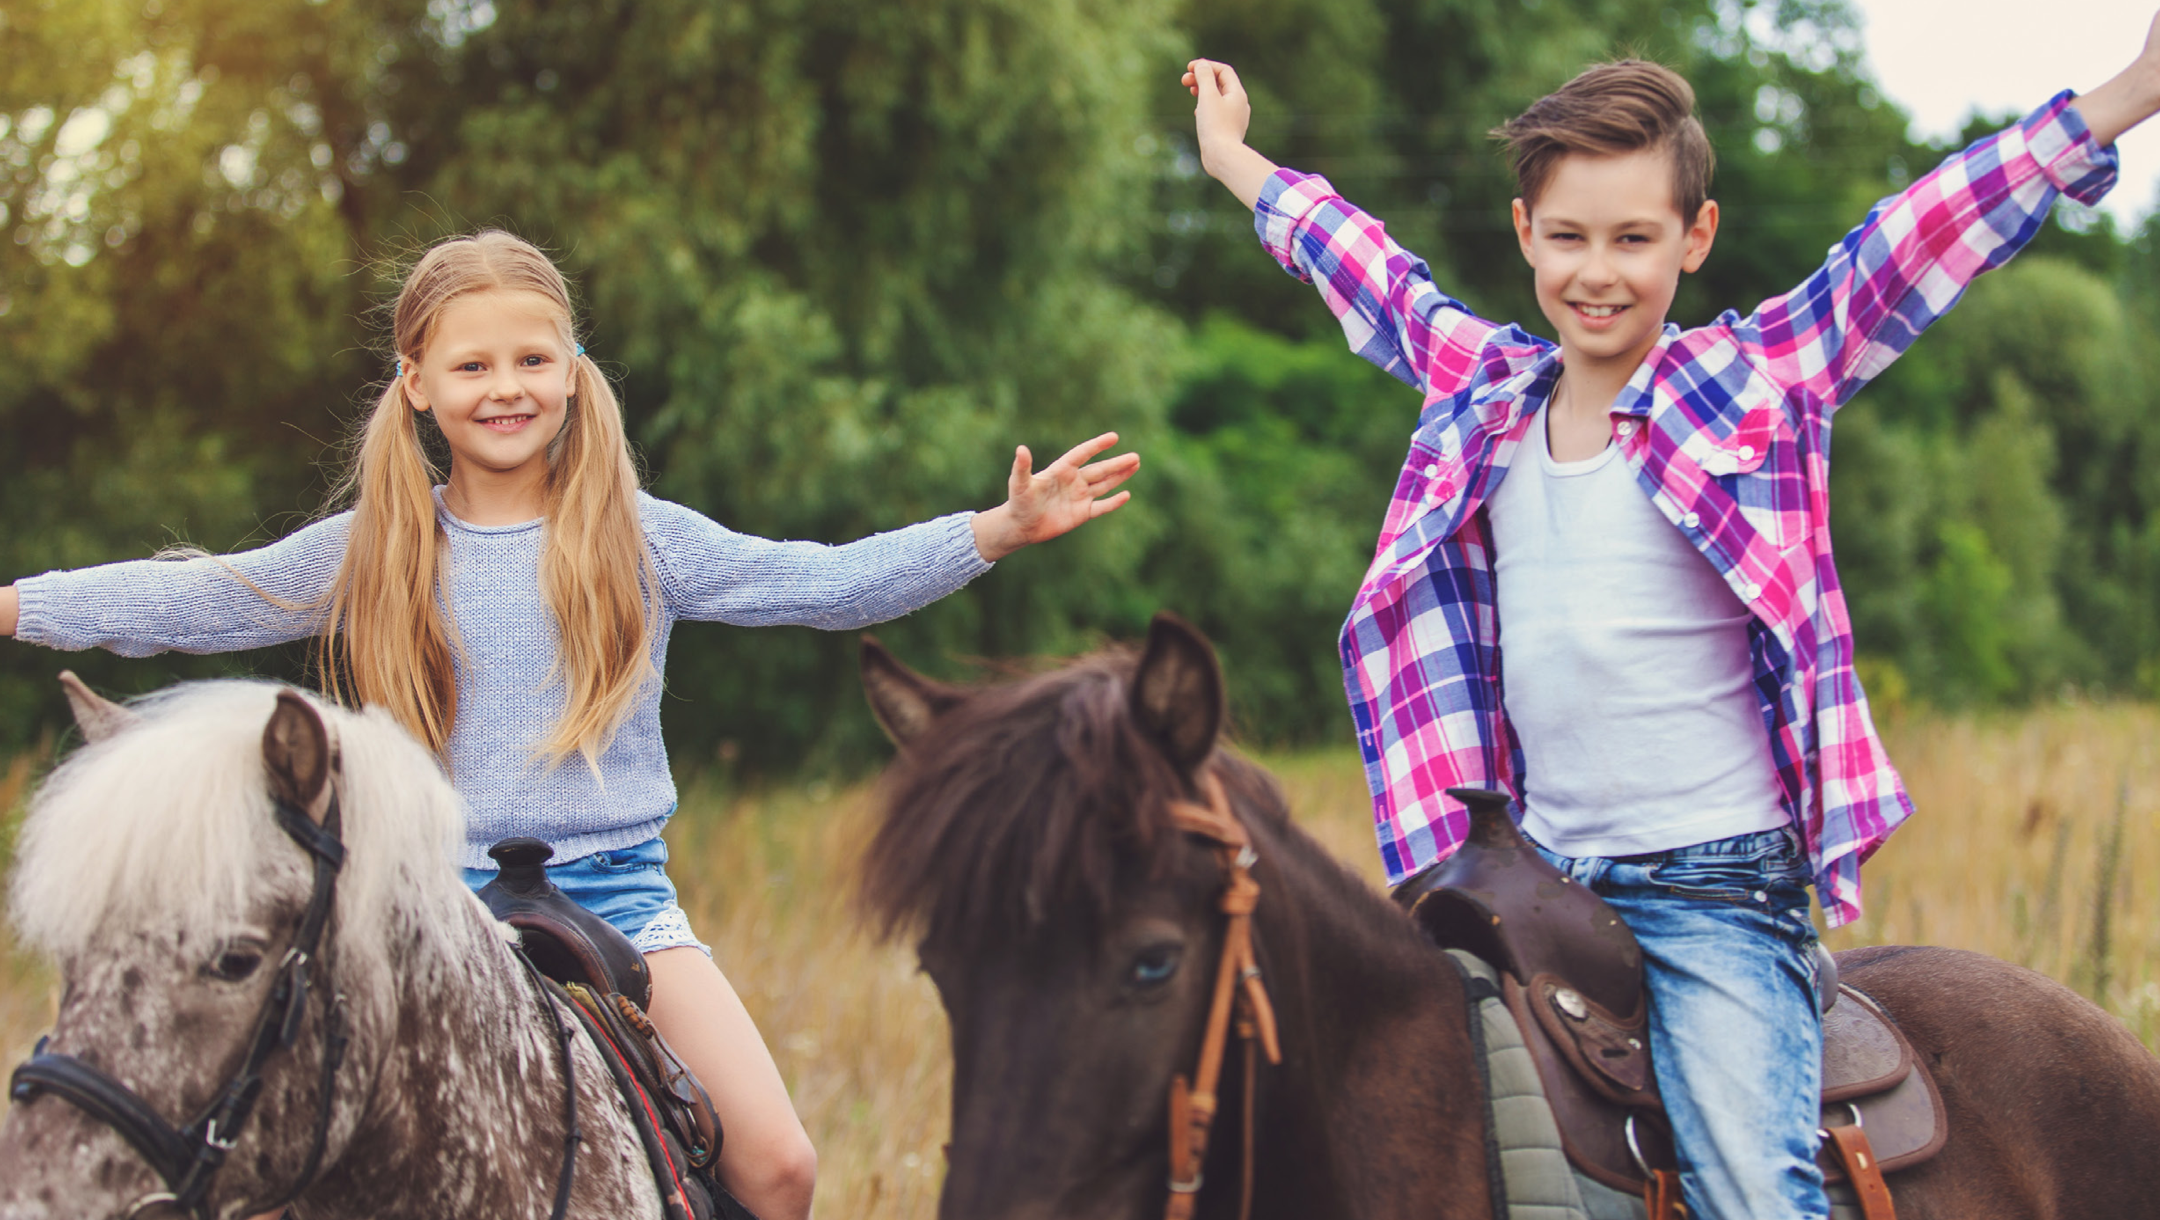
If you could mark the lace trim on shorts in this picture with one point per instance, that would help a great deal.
(670, 929)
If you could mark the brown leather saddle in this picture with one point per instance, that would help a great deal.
(607, 980)
(1572, 974)
(563, 940)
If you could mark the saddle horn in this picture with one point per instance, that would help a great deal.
(1500, 899)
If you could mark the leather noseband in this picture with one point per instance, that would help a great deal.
(1237, 983)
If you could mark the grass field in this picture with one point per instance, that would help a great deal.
(2037, 841)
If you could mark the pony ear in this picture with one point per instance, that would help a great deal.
(1177, 692)
(97, 717)
(903, 701)
(298, 754)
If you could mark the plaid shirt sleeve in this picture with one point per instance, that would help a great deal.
(1391, 313)
(1916, 252)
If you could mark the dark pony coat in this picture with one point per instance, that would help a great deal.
(1072, 933)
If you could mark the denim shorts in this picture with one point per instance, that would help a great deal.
(628, 887)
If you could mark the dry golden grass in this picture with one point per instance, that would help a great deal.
(2010, 855)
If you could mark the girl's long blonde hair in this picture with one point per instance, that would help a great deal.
(388, 640)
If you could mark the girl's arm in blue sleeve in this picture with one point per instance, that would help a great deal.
(711, 573)
(203, 603)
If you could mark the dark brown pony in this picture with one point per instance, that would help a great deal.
(1073, 932)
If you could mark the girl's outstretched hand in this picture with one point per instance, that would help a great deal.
(1066, 494)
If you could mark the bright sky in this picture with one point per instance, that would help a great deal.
(1941, 59)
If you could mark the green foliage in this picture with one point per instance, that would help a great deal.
(843, 255)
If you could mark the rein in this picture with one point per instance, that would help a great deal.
(187, 1159)
(1237, 987)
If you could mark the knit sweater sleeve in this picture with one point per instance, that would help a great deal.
(711, 573)
(200, 604)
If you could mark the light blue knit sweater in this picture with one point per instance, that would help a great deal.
(506, 705)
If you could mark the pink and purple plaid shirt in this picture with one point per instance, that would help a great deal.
(1726, 428)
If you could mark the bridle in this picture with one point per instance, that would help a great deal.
(1238, 986)
(188, 1159)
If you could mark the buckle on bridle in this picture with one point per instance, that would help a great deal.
(210, 1138)
(150, 1200)
(1188, 1186)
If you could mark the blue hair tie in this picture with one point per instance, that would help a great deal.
(580, 349)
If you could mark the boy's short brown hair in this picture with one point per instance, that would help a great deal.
(1611, 109)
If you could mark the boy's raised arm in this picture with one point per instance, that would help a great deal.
(2130, 98)
(1391, 312)
(1911, 260)
(1221, 117)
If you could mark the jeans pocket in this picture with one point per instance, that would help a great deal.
(648, 856)
(1718, 879)
(1734, 870)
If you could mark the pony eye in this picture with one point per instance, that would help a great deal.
(1154, 965)
(234, 962)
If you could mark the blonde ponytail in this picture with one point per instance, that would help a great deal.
(596, 573)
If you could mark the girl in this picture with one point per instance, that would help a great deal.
(516, 619)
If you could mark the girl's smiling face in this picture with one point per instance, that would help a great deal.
(497, 374)
(1607, 245)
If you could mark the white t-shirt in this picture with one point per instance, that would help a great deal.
(1624, 666)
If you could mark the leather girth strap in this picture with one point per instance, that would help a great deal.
(1661, 1195)
(1237, 987)
(1863, 1170)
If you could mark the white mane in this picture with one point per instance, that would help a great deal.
(169, 823)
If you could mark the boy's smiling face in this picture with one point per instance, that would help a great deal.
(1607, 244)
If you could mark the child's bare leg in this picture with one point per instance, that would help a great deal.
(765, 1158)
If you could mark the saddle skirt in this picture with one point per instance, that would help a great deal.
(1571, 975)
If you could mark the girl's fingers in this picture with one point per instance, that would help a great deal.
(1095, 470)
(1022, 467)
(1099, 507)
(1081, 452)
(1105, 475)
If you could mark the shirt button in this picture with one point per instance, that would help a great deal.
(1692, 521)
(1746, 452)
(1751, 590)
(1432, 472)
(1627, 427)
(1761, 897)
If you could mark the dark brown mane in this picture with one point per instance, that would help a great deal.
(1031, 797)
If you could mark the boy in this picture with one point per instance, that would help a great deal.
(1641, 516)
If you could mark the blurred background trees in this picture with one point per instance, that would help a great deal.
(843, 255)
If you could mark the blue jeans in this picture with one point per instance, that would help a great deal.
(1734, 1029)
(628, 887)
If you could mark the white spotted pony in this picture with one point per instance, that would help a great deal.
(414, 1070)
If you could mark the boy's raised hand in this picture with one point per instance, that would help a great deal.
(2130, 98)
(1063, 496)
(1221, 117)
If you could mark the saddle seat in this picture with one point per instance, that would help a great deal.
(1572, 974)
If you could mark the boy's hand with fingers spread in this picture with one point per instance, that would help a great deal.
(1066, 494)
(1221, 117)
(2131, 97)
